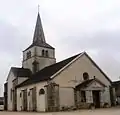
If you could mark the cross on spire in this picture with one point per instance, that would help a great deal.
(38, 8)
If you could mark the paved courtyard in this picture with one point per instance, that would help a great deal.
(111, 111)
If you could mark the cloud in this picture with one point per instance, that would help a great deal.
(71, 26)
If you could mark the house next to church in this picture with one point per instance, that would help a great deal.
(41, 84)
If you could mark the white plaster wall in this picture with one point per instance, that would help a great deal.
(11, 77)
(66, 96)
(75, 72)
(28, 63)
(43, 62)
(40, 98)
(51, 52)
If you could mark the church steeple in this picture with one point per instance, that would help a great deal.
(38, 37)
(39, 54)
(38, 33)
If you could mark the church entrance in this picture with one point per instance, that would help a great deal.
(96, 98)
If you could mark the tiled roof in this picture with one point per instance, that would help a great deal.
(47, 72)
(21, 72)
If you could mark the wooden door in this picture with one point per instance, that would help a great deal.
(96, 98)
(25, 100)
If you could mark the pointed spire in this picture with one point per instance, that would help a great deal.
(38, 33)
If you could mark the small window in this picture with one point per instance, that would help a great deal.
(85, 76)
(41, 92)
(43, 53)
(83, 96)
(28, 54)
(46, 53)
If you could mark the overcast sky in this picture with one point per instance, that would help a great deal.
(71, 26)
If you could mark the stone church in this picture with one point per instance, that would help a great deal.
(42, 84)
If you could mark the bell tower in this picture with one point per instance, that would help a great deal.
(39, 54)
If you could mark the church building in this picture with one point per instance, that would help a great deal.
(42, 84)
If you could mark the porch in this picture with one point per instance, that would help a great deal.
(92, 93)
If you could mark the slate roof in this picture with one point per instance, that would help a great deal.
(87, 82)
(39, 38)
(47, 72)
(115, 83)
(21, 72)
(39, 33)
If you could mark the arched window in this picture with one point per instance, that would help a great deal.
(43, 53)
(41, 92)
(85, 76)
(46, 53)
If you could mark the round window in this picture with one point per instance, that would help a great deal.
(85, 76)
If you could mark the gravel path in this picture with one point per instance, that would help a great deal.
(111, 111)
